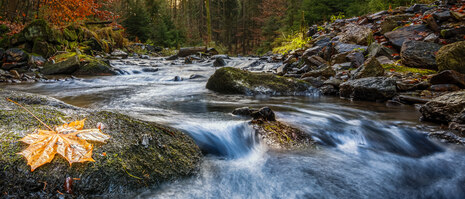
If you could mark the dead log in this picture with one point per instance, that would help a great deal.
(183, 52)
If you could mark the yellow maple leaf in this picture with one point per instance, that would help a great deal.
(68, 140)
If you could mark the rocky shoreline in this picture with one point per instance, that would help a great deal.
(408, 55)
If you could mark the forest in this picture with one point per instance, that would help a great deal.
(235, 26)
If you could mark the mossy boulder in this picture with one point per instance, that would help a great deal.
(139, 154)
(281, 136)
(43, 48)
(66, 67)
(38, 29)
(452, 57)
(74, 64)
(94, 66)
(230, 80)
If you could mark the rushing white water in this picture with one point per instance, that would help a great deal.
(365, 150)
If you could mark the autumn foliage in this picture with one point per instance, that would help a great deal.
(62, 12)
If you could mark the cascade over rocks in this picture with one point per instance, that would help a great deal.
(275, 134)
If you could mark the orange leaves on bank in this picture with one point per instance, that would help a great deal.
(68, 140)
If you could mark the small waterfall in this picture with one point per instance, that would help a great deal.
(227, 139)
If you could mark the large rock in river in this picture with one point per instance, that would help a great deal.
(445, 108)
(71, 63)
(94, 66)
(230, 80)
(371, 89)
(138, 154)
(452, 57)
(66, 67)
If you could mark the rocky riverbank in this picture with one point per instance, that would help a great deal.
(408, 55)
(139, 154)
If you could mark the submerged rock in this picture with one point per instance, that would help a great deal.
(371, 88)
(236, 81)
(138, 154)
(281, 136)
(244, 111)
(219, 62)
(275, 134)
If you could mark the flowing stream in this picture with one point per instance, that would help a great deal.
(365, 150)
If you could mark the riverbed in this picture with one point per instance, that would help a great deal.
(365, 149)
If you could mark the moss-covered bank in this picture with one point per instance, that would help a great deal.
(139, 154)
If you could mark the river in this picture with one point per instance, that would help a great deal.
(365, 149)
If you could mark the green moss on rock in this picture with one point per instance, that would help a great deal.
(86, 65)
(236, 81)
(38, 29)
(452, 57)
(94, 66)
(405, 69)
(138, 154)
(279, 135)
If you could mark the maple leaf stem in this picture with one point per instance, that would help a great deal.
(30, 113)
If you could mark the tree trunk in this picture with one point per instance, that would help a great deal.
(209, 22)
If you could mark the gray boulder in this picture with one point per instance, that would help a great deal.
(449, 77)
(355, 34)
(370, 88)
(343, 47)
(445, 108)
(419, 54)
(326, 71)
(399, 36)
(371, 68)
(376, 50)
(16, 55)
